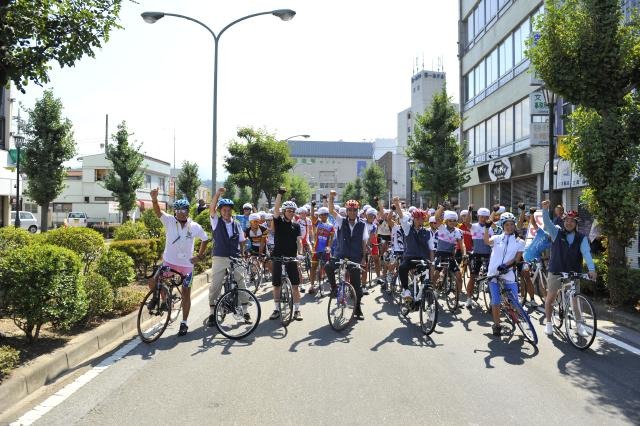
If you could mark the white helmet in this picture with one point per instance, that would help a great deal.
(366, 207)
(507, 217)
(450, 215)
(301, 210)
(342, 211)
(262, 214)
(501, 210)
(323, 210)
(268, 216)
(432, 211)
(464, 212)
(247, 206)
(371, 211)
(483, 211)
(432, 219)
(411, 209)
(254, 216)
(289, 205)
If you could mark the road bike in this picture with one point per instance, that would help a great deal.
(391, 282)
(162, 305)
(423, 298)
(237, 311)
(446, 284)
(286, 291)
(513, 311)
(321, 276)
(575, 311)
(255, 270)
(343, 299)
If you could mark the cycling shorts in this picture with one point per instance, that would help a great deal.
(494, 289)
(476, 262)
(317, 256)
(446, 257)
(185, 271)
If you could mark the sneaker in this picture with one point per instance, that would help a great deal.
(380, 281)
(548, 329)
(297, 316)
(404, 311)
(531, 304)
(163, 306)
(183, 329)
(302, 290)
(497, 329)
(469, 303)
(211, 321)
(152, 304)
(358, 314)
(365, 291)
(275, 315)
(247, 318)
(406, 296)
(582, 330)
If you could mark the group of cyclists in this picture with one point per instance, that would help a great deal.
(387, 240)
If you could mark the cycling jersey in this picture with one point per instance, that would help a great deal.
(477, 236)
(244, 221)
(373, 238)
(305, 229)
(383, 228)
(505, 249)
(323, 233)
(447, 239)
(466, 233)
(255, 237)
(178, 249)
(397, 239)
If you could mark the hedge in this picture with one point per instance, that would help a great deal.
(12, 238)
(99, 295)
(152, 223)
(145, 253)
(42, 283)
(128, 299)
(86, 242)
(9, 359)
(117, 267)
(131, 231)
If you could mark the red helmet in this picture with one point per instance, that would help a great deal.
(352, 204)
(418, 214)
(572, 214)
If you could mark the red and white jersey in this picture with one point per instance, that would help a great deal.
(305, 229)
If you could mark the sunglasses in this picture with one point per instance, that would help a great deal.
(289, 211)
(183, 211)
(246, 208)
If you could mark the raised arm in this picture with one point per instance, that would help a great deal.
(214, 201)
(276, 206)
(154, 201)
(439, 214)
(332, 210)
(396, 202)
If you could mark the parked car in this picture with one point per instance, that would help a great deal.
(76, 219)
(27, 221)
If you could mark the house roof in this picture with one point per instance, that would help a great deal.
(340, 149)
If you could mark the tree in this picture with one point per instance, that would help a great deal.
(374, 183)
(576, 36)
(441, 160)
(126, 177)
(298, 188)
(49, 144)
(353, 191)
(34, 33)
(238, 195)
(259, 162)
(188, 180)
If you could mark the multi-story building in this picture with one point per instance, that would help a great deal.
(424, 85)
(85, 192)
(330, 165)
(7, 157)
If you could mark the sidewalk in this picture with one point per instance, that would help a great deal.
(43, 370)
(617, 316)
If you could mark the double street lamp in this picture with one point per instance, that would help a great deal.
(153, 17)
(19, 141)
(550, 98)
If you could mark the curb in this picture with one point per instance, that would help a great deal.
(25, 380)
(617, 317)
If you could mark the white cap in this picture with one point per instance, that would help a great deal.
(450, 215)
(432, 219)
(342, 211)
(268, 216)
(301, 210)
(411, 209)
(366, 207)
(432, 211)
(501, 210)
(262, 214)
(371, 211)
(254, 216)
(247, 206)
(464, 212)
(323, 210)
(483, 211)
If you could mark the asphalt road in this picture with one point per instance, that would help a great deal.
(381, 371)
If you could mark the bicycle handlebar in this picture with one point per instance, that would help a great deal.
(575, 276)
(347, 262)
(286, 259)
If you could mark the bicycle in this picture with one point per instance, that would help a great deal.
(254, 272)
(513, 311)
(343, 299)
(575, 311)
(233, 313)
(447, 284)
(538, 273)
(321, 277)
(161, 305)
(391, 283)
(423, 297)
(286, 291)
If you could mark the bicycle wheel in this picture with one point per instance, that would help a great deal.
(152, 322)
(237, 313)
(255, 276)
(286, 302)
(486, 295)
(451, 292)
(341, 308)
(558, 311)
(580, 322)
(475, 295)
(523, 322)
(176, 303)
(428, 311)
(540, 288)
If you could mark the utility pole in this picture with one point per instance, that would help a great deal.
(106, 132)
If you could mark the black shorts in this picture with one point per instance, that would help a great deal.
(476, 262)
(446, 257)
(384, 238)
(292, 273)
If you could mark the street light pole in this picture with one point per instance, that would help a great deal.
(295, 136)
(153, 17)
(18, 140)
(551, 98)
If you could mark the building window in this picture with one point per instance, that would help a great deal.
(480, 139)
(492, 9)
(62, 207)
(30, 207)
(101, 175)
(161, 184)
(470, 86)
(522, 119)
(492, 67)
(147, 181)
(480, 81)
(492, 133)
(104, 199)
(506, 55)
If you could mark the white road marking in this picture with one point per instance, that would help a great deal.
(57, 398)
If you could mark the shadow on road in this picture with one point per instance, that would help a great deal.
(322, 336)
(477, 315)
(408, 334)
(610, 373)
(514, 350)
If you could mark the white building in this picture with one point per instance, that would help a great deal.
(7, 163)
(85, 192)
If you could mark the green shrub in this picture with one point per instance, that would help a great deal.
(117, 267)
(131, 231)
(143, 252)
(99, 295)
(87, 243)
(623, 286)
(107, 230)
(204, 220)
(42, 283)
(9, 359)
(12, 238)
(128, 299)
(153, 223)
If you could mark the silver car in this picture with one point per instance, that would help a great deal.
(27, 221)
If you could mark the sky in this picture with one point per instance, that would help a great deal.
(340, 70)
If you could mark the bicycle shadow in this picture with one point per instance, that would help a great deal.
(511, 350)
(387, 306)
(477, 315)
(323, 336)
(610, 375)
(408, 334)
